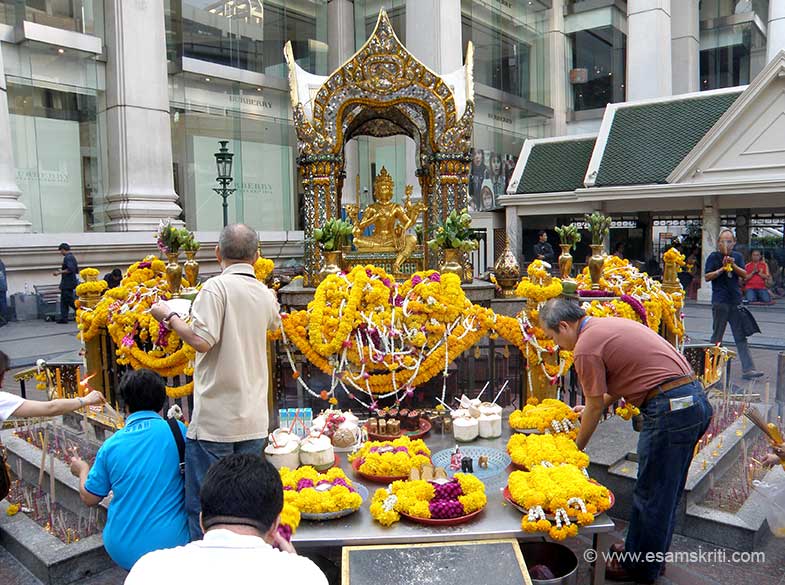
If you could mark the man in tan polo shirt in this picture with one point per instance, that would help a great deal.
(230, 319)
(619, 358)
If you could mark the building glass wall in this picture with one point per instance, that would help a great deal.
(597, 55)
(249, 34)
(256, 123)
(83, 16)
(732, 41)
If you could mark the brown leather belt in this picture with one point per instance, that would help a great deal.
(670, 385)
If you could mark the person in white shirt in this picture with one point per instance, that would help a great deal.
(241, 499)
(16, 406)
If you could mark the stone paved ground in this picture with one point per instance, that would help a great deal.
(24, 342)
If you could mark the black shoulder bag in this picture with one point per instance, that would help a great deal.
(749, 325)
(178, 439)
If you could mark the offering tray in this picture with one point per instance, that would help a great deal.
(376, 478)
(498, 461)
(443, 521)
(361, 489)
(424, 428)
(508, 496)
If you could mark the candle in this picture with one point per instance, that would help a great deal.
(58, 380)
(79, 389)
(52, 480)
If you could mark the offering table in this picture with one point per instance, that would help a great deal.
(498, 520)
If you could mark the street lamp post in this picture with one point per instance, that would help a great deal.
(223, 161)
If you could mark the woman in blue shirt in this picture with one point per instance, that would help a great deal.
(140, 465)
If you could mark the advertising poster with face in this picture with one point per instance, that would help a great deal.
(489, 176)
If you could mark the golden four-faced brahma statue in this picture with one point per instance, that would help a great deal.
(390, 222)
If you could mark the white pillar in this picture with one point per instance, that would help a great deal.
(513, 228)
(649, 49)
(557, 44)
(340, 42)
(710, 233)
(139, 139)
(433, 33)
(11, 209)
(775, 36)
(685, 46)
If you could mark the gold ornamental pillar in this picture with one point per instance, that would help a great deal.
(321, 178)
(670, 285)
(450, 190)
(94, 357)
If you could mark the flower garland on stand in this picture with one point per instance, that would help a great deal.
(140, 340)
(459, 496)
(377, 338)
(558, 499)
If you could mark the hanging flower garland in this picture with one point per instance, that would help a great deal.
(140, 340)
(564, 493)
(673, 256)
(459, 496)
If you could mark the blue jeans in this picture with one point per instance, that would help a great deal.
(665, 449)
(199, 456)
(757, 295)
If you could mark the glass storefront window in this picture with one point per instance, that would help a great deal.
(597, 75)
(82, 16)
(367, 11)
(720, 8)
(509, 51)
(731, 55)
(261, 137)
(249, 34)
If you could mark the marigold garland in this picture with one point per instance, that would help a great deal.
(548, 416)
(564, 492)
(530, 450)
(124, 312)
(304, 481)
(462, 495)
(392, 458)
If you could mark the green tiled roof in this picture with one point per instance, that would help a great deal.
(647, 142)
(556, 166)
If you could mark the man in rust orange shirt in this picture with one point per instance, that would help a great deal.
(619, 358)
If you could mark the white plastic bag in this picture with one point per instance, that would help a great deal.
(774, 494)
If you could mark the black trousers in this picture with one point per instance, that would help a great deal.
(67, 298)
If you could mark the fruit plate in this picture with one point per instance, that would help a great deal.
(514, 504)
(375, 478)
(425, 426)
(443, 521)
(498, 461)
(361, 489)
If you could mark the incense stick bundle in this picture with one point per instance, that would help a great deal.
(770, 429)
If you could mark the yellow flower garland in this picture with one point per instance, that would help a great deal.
(380, 458)
(546, 417)
(309, 500)
(563, 492)
(413, 498)
(530, 450)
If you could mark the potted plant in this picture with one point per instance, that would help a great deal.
(599, 225)
(331, 238)
(455, 237)
(569, 236)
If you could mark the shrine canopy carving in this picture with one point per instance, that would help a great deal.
(382, 90)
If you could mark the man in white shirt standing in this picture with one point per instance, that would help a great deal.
(242, 499)
(231, 316)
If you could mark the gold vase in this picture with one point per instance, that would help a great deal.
(89, 300)
(452, 263)
(565, 261)
(332, 265)
(507, 271)
(670, 278)
(191, 267)
(595, 265)
(174, 273)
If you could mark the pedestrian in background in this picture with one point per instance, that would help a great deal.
(3, 297)
(725, 273)
(68, 280)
